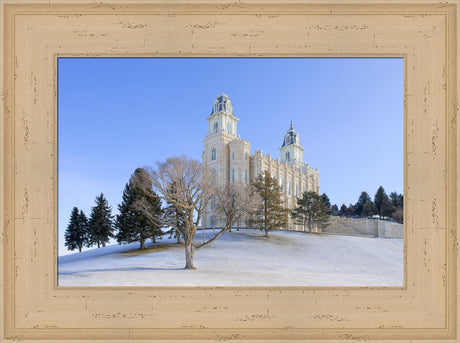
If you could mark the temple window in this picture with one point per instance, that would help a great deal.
(213, 154)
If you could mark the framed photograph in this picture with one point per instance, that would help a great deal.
(117, 115)
(42, 43)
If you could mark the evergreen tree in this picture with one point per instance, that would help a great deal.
(369, 209)
(174, 218)
(350, 211)
(140, 212)
(378, 198)
(363, 198)
(396, 200)
(387, 208)
(100, 224)
(382, 203)
(334, 210)
(76, 235)
(327, 202)
(343, 210)
(311, 211)
(269, 213)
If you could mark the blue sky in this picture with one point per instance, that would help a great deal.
(117, 114)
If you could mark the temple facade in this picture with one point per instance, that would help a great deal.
(230, 159)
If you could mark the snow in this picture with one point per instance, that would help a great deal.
(242, 258)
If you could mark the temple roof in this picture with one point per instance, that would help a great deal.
(291, 137)
(222, 104)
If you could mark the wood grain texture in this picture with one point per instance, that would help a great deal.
(34, 35)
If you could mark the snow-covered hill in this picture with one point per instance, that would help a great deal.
(242, 258)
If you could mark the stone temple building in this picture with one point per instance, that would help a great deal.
(229, 157)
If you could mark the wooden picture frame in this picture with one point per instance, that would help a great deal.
(35, 34)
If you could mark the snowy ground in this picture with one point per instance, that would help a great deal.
(243, 258)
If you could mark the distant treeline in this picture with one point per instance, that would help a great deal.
(384, 206)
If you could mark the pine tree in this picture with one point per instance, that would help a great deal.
(378, 198)
(387, 208)
(396, 200)
(311, 211)
(343, 210)
(350, 211)
(173, 216)
(363, 198)
(100, 224)
(369, 209)
(327, 202)
(76, 235)
(382, 203)
(334, 210)
(140, 212)
(270, 213)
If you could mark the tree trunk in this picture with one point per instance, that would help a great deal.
(98, 245)
(142, 241)
(189, 256)
(79, 248)
(266, 233)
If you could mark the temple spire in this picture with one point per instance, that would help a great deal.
(291, 150)
(222, 118)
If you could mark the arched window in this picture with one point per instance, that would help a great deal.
(233, 175)
(246, 155)
(289, 187)
(246, 176)
(288, 156)
(213, 154)
(216, 126)
(233, 155)
(229, 127)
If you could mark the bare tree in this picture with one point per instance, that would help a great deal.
(233, 202)
(186, 185)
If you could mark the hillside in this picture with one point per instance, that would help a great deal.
(243, 258)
